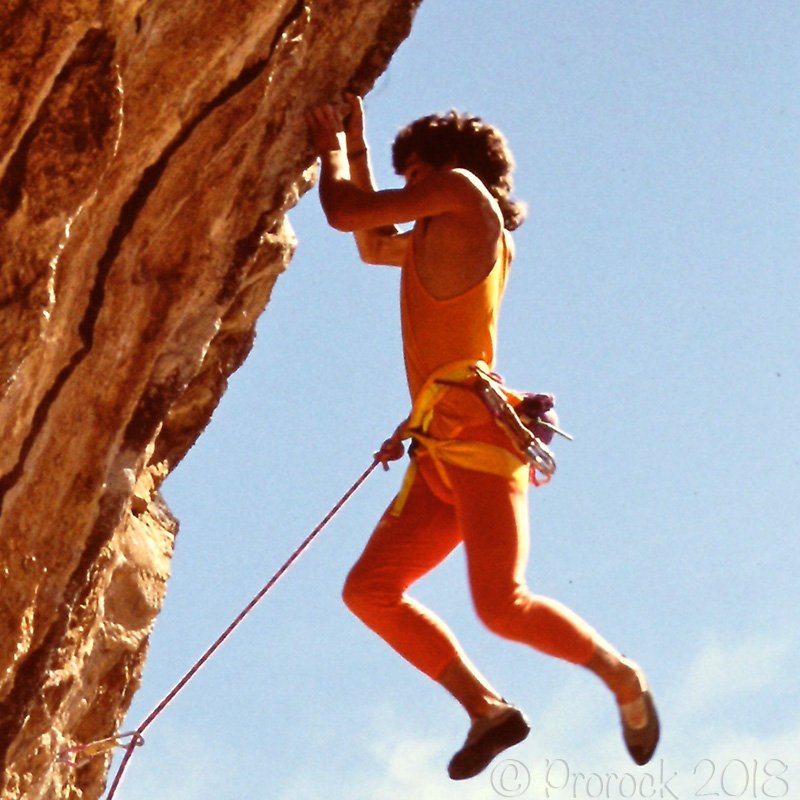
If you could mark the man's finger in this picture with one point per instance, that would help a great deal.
(334, 116)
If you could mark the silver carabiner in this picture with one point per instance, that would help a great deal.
(541, 456)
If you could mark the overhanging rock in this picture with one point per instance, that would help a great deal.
(149, 152)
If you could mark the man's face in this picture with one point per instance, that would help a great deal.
(416, 169)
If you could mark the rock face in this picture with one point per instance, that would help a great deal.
(148, 153)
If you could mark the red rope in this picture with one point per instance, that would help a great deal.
(137, 735)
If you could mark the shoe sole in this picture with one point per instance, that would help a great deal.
(473, 759)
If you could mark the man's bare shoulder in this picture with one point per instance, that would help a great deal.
(456, 250)
(457, 181)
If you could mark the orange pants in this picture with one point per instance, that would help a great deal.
(489, 514)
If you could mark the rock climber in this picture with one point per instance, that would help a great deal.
(468, 479)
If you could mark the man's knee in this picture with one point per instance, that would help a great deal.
(363, 593)
(499, 611)
(353, 592)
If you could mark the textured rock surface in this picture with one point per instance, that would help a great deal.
(148, 153)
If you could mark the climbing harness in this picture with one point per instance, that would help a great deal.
(534, 461)
(540, 457)
(86, 752)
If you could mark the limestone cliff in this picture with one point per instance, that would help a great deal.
(148, 153)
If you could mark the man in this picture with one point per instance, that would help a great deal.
(468, 477)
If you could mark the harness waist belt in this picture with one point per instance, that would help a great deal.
(531, 455)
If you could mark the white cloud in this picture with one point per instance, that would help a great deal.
(575, 750)
(723, 670)
(735, 767)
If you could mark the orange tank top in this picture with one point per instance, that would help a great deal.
(440, 332)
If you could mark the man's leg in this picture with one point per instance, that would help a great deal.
(493, 515)
(400, 551)
(466, 684)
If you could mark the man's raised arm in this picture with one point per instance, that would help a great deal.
(383, 245)
(348, 179)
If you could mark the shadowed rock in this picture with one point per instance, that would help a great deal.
(149, 152)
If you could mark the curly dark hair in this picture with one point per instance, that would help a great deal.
(476, 146)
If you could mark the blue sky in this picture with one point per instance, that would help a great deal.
(655, 292)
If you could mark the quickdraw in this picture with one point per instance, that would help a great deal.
(80, 754)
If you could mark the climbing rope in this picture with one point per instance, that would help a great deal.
(80, 754)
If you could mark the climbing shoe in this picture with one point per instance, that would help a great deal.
(488, 737)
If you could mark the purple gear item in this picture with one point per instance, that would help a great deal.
(536, 407)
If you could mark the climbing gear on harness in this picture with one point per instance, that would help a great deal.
(533, 406)
(104, 745)
(534, 456)
(80, 754)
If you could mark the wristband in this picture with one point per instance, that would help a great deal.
(362, 151)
